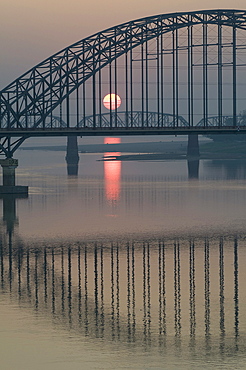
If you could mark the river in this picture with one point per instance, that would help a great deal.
(129, 265)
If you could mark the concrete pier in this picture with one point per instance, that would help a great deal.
(193, 146)
(72, 156)
(8, 167)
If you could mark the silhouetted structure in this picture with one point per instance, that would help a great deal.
(63, 94)
(72, 156)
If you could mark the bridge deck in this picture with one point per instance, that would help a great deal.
(119, 131)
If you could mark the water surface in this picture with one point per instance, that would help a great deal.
(130, 265)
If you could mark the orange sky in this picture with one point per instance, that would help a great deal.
(32, 30)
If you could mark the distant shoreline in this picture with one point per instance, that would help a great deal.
(156, 150)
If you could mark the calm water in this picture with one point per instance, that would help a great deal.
(131, 265)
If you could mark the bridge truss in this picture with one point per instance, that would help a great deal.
(186, 67)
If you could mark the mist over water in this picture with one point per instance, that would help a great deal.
(130, 265)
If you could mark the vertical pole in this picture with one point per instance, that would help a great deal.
(115, 79)
(220, 73)
(234, 71)
(26, 110)
(191, 78)
(189, 73)
(177, 76)
(100, 85)
(51, 90)
(33, 97)
(8, 113)
(60, 90)
(94, 92)
(43, 104)
(9, 154)
(67, 99)
(68, 111)
(110, 84)
(142, 79)
(77, 94)
(158, 77)
(84, 92)
(1, 107)
(131, 83)
(126, 82)
(205, 71)
(146, 80)
(162, 81)
(174, 75)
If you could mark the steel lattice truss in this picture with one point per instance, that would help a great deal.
(225, 121)
(134, 119)
(31, 100)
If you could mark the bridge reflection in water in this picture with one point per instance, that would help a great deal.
(146, 293)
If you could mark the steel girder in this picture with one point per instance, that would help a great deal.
(134, 119)
(40, 90)
(225, 121)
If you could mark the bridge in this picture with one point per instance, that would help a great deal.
(180, 73)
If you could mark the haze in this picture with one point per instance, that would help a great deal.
(31, 31)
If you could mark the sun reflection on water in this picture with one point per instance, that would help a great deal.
(112, 172)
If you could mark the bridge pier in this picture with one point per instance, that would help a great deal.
(193, 146)
(9, 165)
(72, 156)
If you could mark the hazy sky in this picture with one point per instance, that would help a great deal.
(32, 30)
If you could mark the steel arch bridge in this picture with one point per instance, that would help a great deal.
(187, 65)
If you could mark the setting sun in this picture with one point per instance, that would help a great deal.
(112, 101)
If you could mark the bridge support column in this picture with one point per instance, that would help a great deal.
(193, 146)
(9, 165)
(72, 156)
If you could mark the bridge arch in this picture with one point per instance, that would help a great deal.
(38, 92)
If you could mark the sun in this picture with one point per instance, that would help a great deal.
(112, 101)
